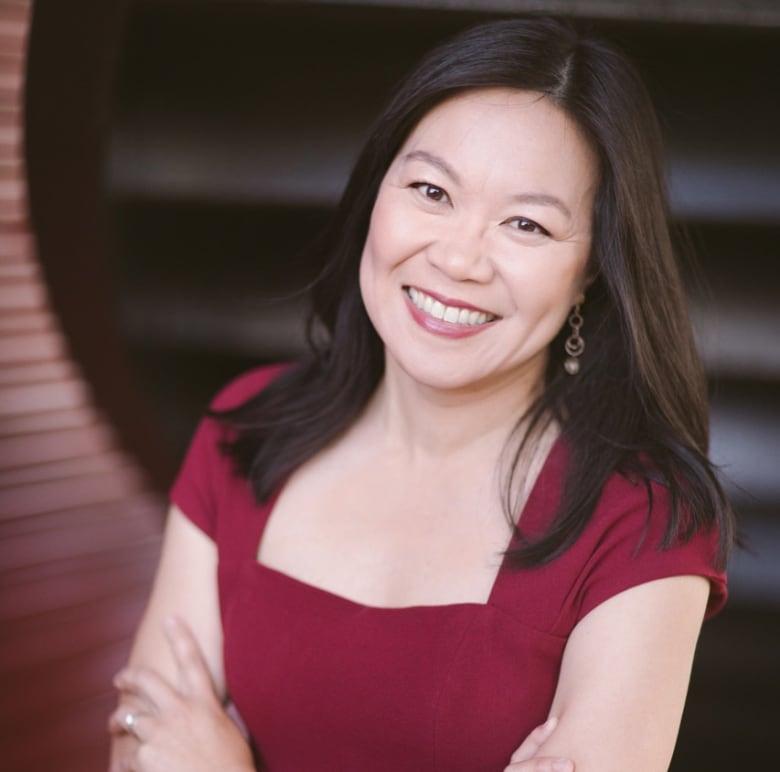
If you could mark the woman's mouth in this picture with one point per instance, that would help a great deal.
(452, 314)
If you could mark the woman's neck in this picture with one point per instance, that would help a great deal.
(429, 423)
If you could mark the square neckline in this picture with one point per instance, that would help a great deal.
(531, 514)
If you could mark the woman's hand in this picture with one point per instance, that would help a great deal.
(525, 758)
(181, 728)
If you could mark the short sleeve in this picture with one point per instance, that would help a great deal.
(206, 472)
(623, 541)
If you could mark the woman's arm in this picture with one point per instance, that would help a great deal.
(185, 586)
(624, 678)
(183, 726)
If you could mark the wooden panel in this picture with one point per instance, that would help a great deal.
(79, 529)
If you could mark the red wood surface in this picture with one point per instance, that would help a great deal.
(79, 528)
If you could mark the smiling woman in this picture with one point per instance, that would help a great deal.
(497, 220)
(434, 543)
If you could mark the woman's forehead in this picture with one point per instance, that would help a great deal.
(503, 135)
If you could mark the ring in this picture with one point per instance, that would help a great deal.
(130, 724)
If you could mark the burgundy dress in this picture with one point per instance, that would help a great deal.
(325, 683)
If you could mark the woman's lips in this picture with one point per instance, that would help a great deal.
(447, 310)
(451, 320)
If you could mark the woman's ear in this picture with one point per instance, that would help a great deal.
(591, 276)
(591, 271)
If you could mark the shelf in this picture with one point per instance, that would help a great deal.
(242, 327)
(175, 164)
(727, 12)
(754, 575)
(738, 338)
(725, 190)
(262, 103)
(744, 447)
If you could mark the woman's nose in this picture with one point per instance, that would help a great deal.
(462, 253)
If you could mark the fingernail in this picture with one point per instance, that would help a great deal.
(562, 765)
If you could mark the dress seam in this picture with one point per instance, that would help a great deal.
(446, 680)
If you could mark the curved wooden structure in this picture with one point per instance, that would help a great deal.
(79, 525)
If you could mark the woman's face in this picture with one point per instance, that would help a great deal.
(479, 240)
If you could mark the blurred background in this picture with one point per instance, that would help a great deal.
(163, 166)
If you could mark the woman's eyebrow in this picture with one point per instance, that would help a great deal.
(433, 160)
(542, 199)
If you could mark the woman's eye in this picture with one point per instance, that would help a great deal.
(431, 192)
(528, 226)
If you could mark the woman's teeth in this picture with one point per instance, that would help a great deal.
(451, 314)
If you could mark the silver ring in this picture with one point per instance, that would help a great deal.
(130, 723)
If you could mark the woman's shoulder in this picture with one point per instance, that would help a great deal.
(629, 536)
(637, 496)
(247, 385)
(630, 490)
(635, 508)
(207, 478)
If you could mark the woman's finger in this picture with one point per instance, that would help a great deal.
(194, 675)
(541, 765)
(533, 743)
(124, 721)
(148, 685)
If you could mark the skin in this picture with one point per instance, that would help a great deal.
(488, 205)
(489, 202)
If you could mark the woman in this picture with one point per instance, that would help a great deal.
(482, 504)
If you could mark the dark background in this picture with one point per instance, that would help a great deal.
(221, 135)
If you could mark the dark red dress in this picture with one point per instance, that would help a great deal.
(325, 683)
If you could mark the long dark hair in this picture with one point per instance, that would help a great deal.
(639, 403)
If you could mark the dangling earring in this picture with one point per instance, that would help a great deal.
(574, 345)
